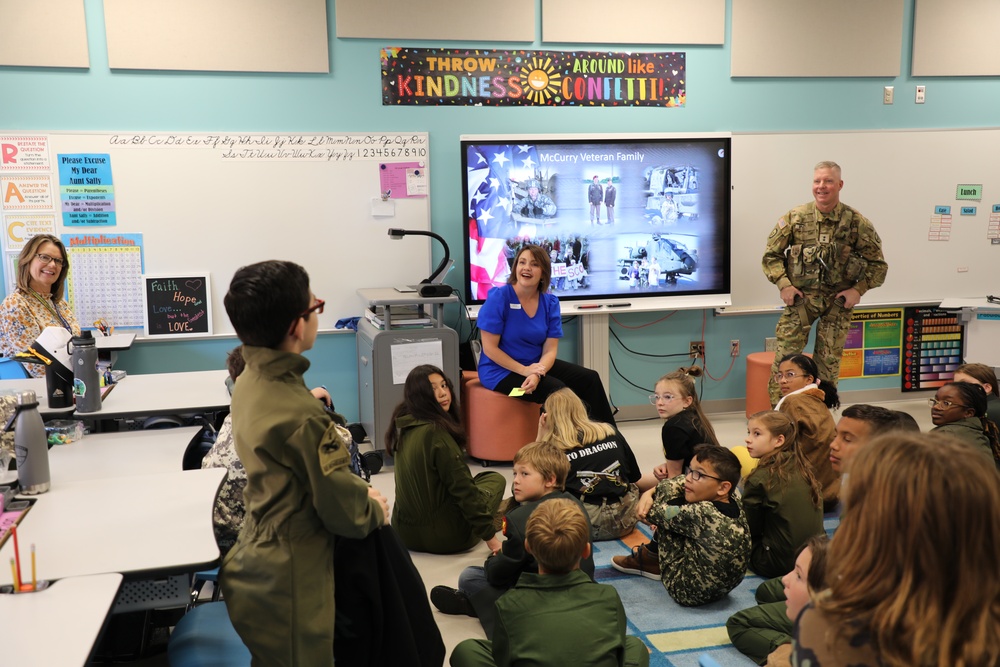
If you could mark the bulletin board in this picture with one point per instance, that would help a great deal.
(215, 202)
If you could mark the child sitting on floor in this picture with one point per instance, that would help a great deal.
(764, 633)
(701, 529)
(558, 616)
(540, 471)
(781, 497)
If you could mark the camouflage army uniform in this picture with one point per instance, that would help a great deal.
(703, 550)
(820, 254)
(542, 207)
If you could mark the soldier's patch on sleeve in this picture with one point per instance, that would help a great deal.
(781, 222)
(333, 453)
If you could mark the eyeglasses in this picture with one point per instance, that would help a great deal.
(696, 475)
(317, 307)
(666, 398)
(47, 259)
(947, 405)
(790, 375)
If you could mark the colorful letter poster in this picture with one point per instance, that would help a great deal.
(24, 154)
(933, 348)
(873, 344)
(476, 77)
(26, 193)
(86, 189)
(20, 227)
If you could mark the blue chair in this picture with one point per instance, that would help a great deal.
(11, 369)
(200, 579)
(205, 637)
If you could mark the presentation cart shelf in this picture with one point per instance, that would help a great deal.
(385, 355)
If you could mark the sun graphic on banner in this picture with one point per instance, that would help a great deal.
(541, 80)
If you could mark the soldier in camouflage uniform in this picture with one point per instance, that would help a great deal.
(535, 205)
(823, 256)
(701, 528)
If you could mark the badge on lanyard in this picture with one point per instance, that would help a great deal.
(515, 306)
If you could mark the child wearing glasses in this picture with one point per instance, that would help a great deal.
(781, 497)
(685, 426)
(959, 409)
(301, 494)
(808, 399)
(703, 540)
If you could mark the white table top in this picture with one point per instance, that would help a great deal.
(57, 626)
(103, 455)
(152, 394)
(142, 526)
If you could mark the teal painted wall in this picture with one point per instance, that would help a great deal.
(349, 99)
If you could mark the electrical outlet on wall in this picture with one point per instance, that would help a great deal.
(697, 349)
(770, 344)
(734, 348)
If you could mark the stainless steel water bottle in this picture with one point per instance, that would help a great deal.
(30, 445)
(86, 381)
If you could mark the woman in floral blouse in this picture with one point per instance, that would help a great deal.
(38, 300)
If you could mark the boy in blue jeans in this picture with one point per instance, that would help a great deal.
(540, 471)
(558, 616)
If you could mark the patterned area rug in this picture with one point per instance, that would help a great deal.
(677, 636)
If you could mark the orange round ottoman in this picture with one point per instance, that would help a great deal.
(497, 426)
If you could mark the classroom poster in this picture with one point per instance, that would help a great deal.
(481, 77)
(106, 280)
(933, 348)
(26, 193)
(86, 190)
(24, 153)
(873, 344)
(20, 227)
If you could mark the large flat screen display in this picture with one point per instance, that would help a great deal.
(623, 218)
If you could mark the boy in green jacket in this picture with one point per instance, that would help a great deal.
(300, 492)
(558, 616)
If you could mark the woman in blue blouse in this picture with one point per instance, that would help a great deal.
(521, 327)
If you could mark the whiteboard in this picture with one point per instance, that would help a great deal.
(216, 202)
(895, 179)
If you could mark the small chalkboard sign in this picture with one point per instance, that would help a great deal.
(177, 305)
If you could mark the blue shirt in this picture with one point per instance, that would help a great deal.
(521, 337)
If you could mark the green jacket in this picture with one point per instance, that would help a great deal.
(557, 619)
(439, 508)
(832, 251)
(970, 430)
(300, 492)
(781, 519)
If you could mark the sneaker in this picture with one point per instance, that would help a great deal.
(642, 562)
(452, 601)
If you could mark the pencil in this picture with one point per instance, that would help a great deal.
(17, 552)
(13, 573)
(34, 579)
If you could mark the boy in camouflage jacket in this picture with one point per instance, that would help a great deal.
(701, 528)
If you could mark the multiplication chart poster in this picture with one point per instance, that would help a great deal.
(105, 278)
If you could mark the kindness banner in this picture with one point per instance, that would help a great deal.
(474, 77)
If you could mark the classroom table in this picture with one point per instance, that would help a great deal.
(146, 395)
(103, 455)
(142, 526)
(59, 625)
